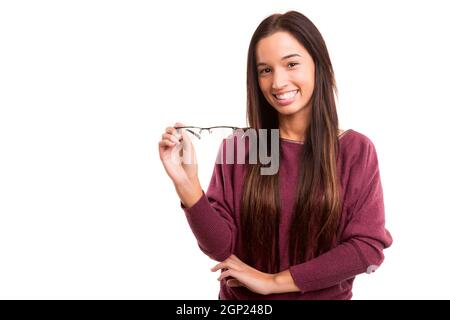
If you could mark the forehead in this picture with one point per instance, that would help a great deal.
(278, 45)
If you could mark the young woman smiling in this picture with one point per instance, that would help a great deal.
(308, 230)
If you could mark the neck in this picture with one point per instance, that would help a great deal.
(293, 127)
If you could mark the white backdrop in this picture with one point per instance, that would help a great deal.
(88, 87)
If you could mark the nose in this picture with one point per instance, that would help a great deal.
(280, 80)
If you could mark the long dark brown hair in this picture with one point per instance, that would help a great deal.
(318, 201)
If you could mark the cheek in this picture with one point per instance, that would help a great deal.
(305, 80)
(265, 86)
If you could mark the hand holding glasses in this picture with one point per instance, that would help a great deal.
(174, 148)
(177, 152)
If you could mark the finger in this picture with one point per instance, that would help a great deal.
(229, 263)
(165, 143)
(168, 142)
(234, 262)
(222, 265)
(170, 137)
(170, 130)
(234, 283)
(189, 156)
(228, 273)
(173, 131)
(178, 124)
(184, 136)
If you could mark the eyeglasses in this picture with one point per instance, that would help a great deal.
(197, 131)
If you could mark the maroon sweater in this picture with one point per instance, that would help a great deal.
(215, 221)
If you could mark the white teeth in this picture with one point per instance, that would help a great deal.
(286, 95)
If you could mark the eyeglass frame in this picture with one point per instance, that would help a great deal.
(198, 135)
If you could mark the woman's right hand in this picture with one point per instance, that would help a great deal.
(177, 155)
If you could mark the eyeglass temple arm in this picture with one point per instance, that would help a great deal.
(194, 133)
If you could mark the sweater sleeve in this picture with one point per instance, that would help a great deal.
(211, 218)
(364, 236)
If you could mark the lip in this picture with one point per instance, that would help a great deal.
(287, 101)
(285, 91)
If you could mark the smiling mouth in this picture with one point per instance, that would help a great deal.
(286, 96)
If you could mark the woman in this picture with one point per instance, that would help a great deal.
(308, 230)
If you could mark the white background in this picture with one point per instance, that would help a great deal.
(88, 87)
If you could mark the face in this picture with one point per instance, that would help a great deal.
(285, 72)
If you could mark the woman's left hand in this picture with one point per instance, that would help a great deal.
(246, 276)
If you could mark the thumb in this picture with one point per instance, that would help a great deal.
(181, 133)
(188, 149)
(188, 152)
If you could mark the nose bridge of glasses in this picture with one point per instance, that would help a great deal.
(201, 130)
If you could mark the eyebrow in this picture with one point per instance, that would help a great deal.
(285, 57)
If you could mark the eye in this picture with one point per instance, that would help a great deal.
(292, 64)
(265, 70)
